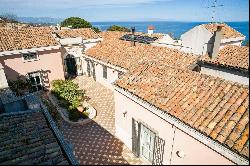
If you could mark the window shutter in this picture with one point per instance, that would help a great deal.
(158, 151)
(88, 68)
(136, 138)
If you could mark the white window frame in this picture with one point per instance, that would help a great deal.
(34, 74)
(30, 60)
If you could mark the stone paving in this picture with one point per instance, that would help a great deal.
(94, 143)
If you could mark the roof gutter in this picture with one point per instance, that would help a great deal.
(66, 149)
(229, 154)
(35, 49)
(239, 70)
(106, 64)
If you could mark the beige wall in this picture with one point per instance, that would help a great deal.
(195, 152)
(48, 61)
(225, 75)
(112, 74)
(124, 124)
(3, 80)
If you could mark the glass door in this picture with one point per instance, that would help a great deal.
(35, 81)
(147, 142)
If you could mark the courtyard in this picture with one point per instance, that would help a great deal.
(95, 143)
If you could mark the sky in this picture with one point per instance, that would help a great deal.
(129, 10)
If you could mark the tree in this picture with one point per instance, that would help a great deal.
(118, 28)
(97, 30)
(9, 17)
(76, 22)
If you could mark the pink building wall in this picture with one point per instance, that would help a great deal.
(112, 74)
(195, 151)
(49, 61)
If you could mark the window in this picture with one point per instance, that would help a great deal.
(30, 56)
(120, 74)
(147, 143)
(105, 75)
(35, 81)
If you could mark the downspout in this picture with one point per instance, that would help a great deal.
(170, 162)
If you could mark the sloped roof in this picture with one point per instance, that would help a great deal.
(26, 138)
(120, 53)
(231, 56)
(227, 31)
(215, 107)
(25, 38)
(115, 35)
(85, 33)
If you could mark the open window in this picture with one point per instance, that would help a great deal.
(35, 80)
(30, 57)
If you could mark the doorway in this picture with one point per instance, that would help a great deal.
(71, 65)
(146, 144)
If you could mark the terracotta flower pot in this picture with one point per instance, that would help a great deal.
(80, 109)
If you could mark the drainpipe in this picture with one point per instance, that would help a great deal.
(172, 148)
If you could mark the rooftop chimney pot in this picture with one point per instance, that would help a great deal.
(133, 36)
(151, 29)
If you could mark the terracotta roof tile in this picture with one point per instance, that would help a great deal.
(232, 56)
(26, 138)
(213, 106)
(160, 76)
(227, 31)
(121, 53)
(25, 38)
(85, 33)
(239, 145)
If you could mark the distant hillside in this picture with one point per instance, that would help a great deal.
(40, 20)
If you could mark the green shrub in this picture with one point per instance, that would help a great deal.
(74, 115)
(118, 28)
(84, 115)
(62, 103)
(18, 86)
(52, 110)
(69, 92)
(97, 30)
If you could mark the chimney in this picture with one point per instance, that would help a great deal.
(133, 36)
(216, 42)
(151, 29)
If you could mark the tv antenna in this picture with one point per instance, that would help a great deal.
(214, 8)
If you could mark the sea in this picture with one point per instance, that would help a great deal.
(176, 28)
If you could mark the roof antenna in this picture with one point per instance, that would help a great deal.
(214, 7)
(133, 36)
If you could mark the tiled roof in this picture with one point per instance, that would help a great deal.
(121, 53)
(232, 56)
(25, 38)
(228, 32)
(113, 35)
(85, 33)
(26, 138)
(215, 107)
